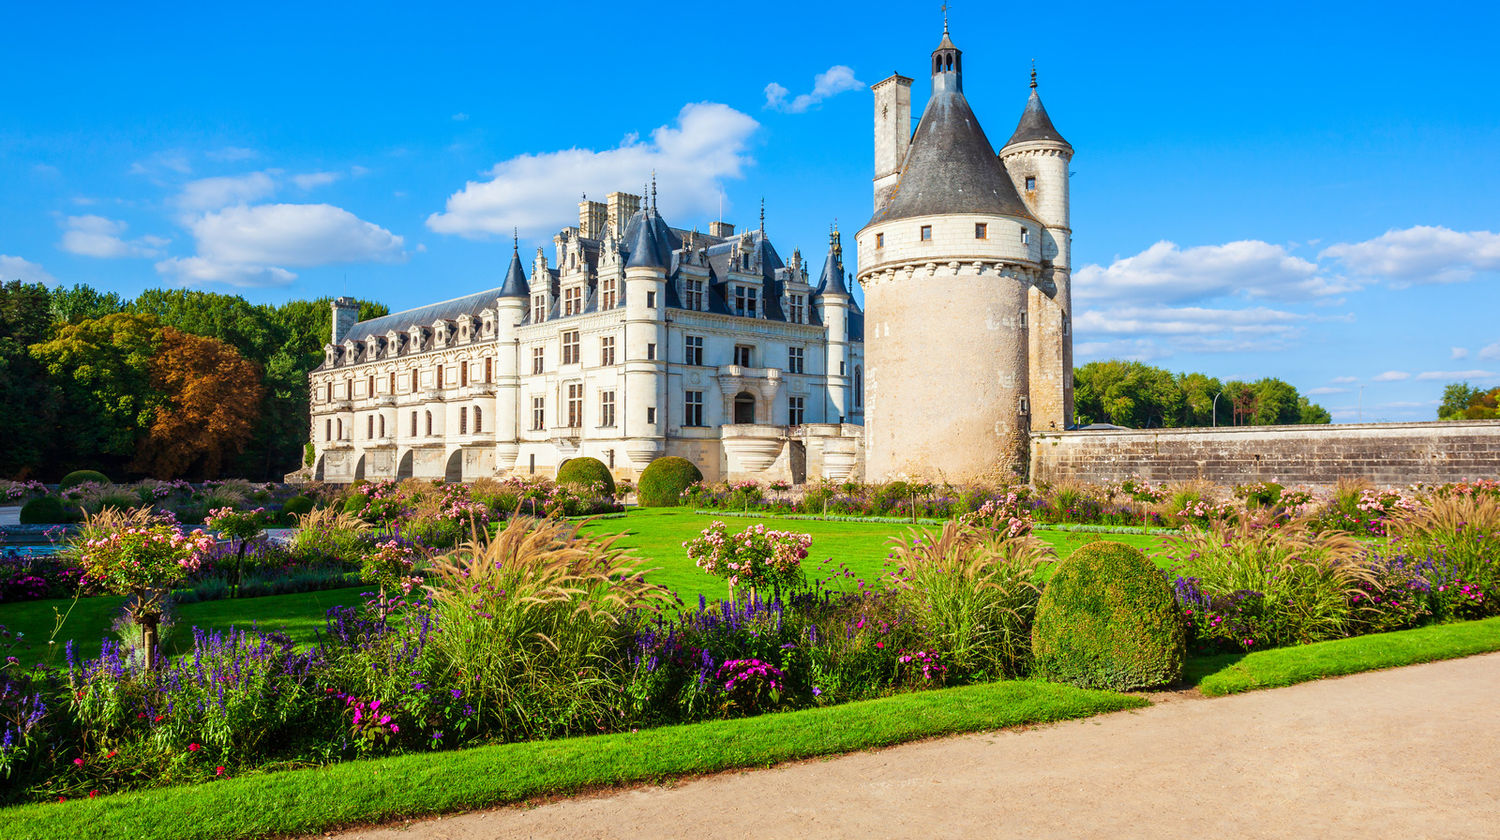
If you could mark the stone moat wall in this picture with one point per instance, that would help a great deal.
(1388, 454)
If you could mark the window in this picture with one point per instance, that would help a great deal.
(478, 420)
(1024, 406)
(794, 360)
(327, 430)
(879, 240)
(926, 233)
(413, 424)
(536, 359)
(606, 408)
(538, 308)
(694, 295)
(1030, 182)
(796, 309)
(463, 419)
(607, 350)
(1025, 236)
(429, 424)
(843, 368)
(692, 352)
(745, 300)
(538, 413)
(572, 300)
(414, 383)
(348, 389)
(440, 380)
(1064, 325)
(340, 428)
(859, 387)
(693, 408)
(330, 392)
(651, 415)
(795, 410)
(393, 383)
(489, 370)
(463, 374)
(370, 386)
(608, 296)
(1023, 319)
(370, 427)
(575, 404)
(651, 300)
(570, 347)
(651, 352)
(382, 425)
(743, 355)
(981, 230)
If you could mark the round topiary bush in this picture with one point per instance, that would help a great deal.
(586, 472)
(664, 479)
(356, 503)
(82, 476)
(44, 510)
(297, 506)
(1107, 619)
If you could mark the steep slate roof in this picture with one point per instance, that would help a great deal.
(832, 280)
(1035, 124)
(515, 278)
(648, 240)
(424, 315)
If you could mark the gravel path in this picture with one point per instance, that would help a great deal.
(1407, 753)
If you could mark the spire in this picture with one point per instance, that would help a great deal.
(1035, 124)
(641, 242)
(1033, 74)
(762, 216)
(515, 285)
(653, 189)
(832, 280)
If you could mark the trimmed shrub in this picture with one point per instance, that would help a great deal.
(81, 476)
(587, 472)
(1107, 620)
(45, 510)
(297, 505)
(664, 479)
(356, 503)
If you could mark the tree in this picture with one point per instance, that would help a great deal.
(210, 401)
(31, 403)
(1141, 396)
(83, 303)
(1309, 413)
(1462, 401)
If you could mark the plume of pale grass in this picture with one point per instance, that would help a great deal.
(1463, 529)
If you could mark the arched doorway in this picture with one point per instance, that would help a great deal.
(318, 470)
(744, 408)
(455, 470)
(403, 467)
(359, 469)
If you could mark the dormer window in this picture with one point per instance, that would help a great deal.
(693, 295)
(572, 300)
(796, 309)
(745, 302)
(538, 308)
(608, 297)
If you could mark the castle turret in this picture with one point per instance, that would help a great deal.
(511, 306)
(647, 243)
(832, 298)
(947, 261)
(345, 316)
(1037, 158)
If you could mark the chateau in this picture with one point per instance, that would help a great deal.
(639, 340)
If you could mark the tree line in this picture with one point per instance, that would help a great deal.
(1462, 401)
(1139, 396)
(171, 384)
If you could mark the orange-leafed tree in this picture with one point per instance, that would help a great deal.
(211, 400)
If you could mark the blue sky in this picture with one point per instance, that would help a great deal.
(1309, 193)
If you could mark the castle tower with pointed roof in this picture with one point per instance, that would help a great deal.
(965, 269)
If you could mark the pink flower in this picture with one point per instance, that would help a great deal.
(78, 762)
(194, 747)
(219, 771)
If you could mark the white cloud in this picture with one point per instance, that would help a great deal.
(1392, 376)
(1420, 254)
(311, 180)
(1344, 380)
(224, 190)
(16, 268)
(1459, 352)
(96, 236)
(1143, 332)
(232, 153)
(171, 160)
(1170, 274)
(1318, 392)
(831, 82)
(1490, 351)
(539, 192)
(1454, 375)
(192, 271)
(359, 171)
(460, 117)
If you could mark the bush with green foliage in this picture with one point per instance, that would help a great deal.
(356, 503)
(664, 479)
(297, 505)
(77, 477)
(46, 510)
(1107, 619)
(586, 472)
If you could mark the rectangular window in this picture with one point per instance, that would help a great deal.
(651, 415)
(795, 410)
(536, 359)
(1025, 236)
(694, 295)
(1024, 406)
(370, 427)
(693, 408)
(651, 300)
(489, 370)
(1030, 182)
(651, 352)
(879, 240)
(692, 353)
(926, 233)
(327, 430)
(608, 296)
(745, 301)
(572, 300)
(463, 374)
(330, 392)
(415, 382)
(538, 413)
(393, 383)
(478, 420)
(794, 360)
(1064, 325)
(1023, 319)
(570, 347)
(429, 424)
(981, 230)
(606, 408)
(607, 350)
(463, 419)
(538, 308)
(744, 354)
(441, 382)
(413, 424)
(796, 309)
(370, 387)
(575, 404)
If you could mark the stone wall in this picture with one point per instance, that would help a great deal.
(1389, 454)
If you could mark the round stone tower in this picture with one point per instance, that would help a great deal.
(947, 263)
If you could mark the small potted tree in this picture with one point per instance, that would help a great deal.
(144, 560)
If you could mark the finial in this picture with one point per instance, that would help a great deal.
(515, 239)
(1033, 74)
(762, 214)
(653, 189)
(945, 18)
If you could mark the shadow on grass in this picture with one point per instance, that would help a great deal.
(1200, 667)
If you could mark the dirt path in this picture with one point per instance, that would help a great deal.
(1409, 753)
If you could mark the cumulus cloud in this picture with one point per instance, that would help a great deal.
(224, 190)
(1421, 254)
(96, 236)
(1459, 352)
(1490, 351)
(16, 268)
(1324, 391)
(538, 193)
(1392, 376)
(193, 271)
(1454, 375)
(1144, 332)
(831, 82)
(311, 180)
(1171, 274)
(1344, 380)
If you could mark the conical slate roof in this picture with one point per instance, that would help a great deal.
(642, 241)
(951, 167)
(832, 281)
(1035, 124)
(515, 279)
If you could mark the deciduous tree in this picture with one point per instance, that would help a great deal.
(211, 398)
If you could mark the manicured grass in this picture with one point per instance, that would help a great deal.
(1216, 676)
(306, 801)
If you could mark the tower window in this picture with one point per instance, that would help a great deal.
(651, 300)
(1030, 182)
(651, 352)
(1025, 236)
(1024, 406)
(926, 233)
(981, 231)
(1023, 319)
(879, 240)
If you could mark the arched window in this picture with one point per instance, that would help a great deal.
(478, 420)
(340, 428)
(744, 408)
(429, 424)
(859, 387)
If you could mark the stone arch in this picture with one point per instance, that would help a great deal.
(318, 470)
(404, 466)
(454, 472)
(744, 408)
(359, 468)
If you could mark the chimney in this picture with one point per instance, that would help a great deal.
(621, 207)
(592, 216)
(345, 314)
(723, 230)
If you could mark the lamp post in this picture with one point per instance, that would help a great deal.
(1216, 409)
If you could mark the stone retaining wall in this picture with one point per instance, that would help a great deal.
(1389, 454)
